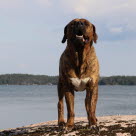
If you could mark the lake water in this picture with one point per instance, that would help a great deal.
(24, 105)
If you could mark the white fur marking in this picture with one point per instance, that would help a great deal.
(80, 84)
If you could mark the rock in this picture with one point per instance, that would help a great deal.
(108, 126)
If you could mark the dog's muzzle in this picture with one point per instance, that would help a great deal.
(79, 32)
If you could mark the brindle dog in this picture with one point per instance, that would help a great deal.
(78, 71)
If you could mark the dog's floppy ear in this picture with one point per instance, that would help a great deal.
(95, 37)
(65, 35)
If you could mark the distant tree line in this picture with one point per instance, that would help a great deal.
(118, 80)
(26, 79)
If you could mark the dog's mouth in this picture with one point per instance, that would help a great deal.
(82, 38)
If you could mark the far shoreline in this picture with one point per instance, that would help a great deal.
(28, 79)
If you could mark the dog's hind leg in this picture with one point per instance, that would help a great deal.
(69, 96)
(61, 121)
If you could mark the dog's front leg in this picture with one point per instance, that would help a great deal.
(61, 121)
(69, 96)
(90, 103)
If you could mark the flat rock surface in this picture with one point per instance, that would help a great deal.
(107, 126)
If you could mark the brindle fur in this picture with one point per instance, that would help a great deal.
(78, 62)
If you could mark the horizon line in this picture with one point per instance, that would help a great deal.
(57, 75)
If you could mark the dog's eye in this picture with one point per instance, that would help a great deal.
(86, 23)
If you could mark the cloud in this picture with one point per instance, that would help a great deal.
(11, 3)
(44, 3)
(22, 66)
(117, 55)
(116, 30)
(36, 27)
(4, 4)
(110, 12)
(98, 8)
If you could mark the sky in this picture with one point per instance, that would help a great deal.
(31, 32)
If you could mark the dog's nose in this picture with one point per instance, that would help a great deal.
(79, 24)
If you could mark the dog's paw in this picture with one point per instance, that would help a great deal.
(69, 128)
(94, 128)
(62, 125)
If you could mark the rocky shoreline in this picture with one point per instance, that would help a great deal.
(108, 126)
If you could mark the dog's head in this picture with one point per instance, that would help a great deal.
(80, 32)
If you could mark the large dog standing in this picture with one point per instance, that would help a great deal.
(78, 71)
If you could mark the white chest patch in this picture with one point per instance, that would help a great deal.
(80, 84)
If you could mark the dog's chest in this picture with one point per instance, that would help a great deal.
(80, 84)
(77, 59)
(80, 64)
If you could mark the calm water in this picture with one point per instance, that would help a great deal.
(24, 105)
